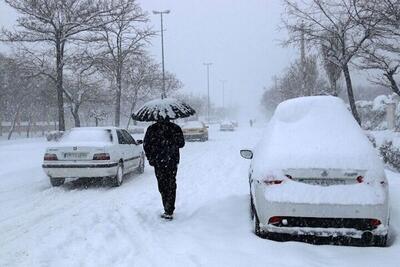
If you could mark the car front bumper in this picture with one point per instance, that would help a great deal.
(80, 170)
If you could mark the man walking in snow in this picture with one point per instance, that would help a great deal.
(161, 145)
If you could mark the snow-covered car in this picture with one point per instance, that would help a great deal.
(195, 130)
(226, 126)
(316, 177)
(93, 152)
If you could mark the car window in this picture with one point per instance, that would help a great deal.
(128, 137)
(121, 138)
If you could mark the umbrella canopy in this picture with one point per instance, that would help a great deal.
(161, 109)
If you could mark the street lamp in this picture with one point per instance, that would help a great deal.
(208, 64)
(223, 93)
(161, 13)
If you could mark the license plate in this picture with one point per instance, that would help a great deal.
(323, 182)
(75, 155)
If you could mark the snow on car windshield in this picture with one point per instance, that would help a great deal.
(314, 132)
(89, 135)
(192, 124)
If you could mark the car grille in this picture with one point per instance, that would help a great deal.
(313, 222)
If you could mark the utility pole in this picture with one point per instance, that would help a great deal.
(164, 93)
(208, 64)
(223, 96)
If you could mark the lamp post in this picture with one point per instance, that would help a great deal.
(223, 98)
(223, 93)
(208, 89)
(161, 13)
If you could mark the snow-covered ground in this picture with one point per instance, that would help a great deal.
(97, 225)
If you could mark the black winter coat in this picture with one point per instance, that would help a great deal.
(162, 142)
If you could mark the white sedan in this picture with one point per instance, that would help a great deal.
(315, 177)
(93, 152)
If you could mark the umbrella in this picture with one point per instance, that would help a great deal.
(161, 109)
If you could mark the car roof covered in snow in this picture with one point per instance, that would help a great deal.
(95, 128)
(87, 136)
(314, 132)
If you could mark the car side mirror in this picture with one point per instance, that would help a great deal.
(247, 154)
(139, 142)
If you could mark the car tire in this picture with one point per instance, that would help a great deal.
(380, 241)
(256, 225)
(251, 208)
(256, 222)
(57, 181)
(140, 169)
(119, 176)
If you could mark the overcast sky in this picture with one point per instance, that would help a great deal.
(240, 37)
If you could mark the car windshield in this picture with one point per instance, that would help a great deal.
(87, 135)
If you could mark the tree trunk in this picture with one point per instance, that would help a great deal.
(77, 120)
(334, 88)
(132, 109)
(393, 83)
(28, 129)
(14, 122)
(75, 114)
(118, 99)
(350, 93)
(59, 84)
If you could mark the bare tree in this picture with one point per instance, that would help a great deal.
(333, 71)
(343, 27)
(301, 72)
(141, 79)
(81, 87)
(119, 42)
(385, 58)
(19, 91)
(383, 54)
(56, 23)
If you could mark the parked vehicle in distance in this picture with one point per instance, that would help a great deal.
(226, 126)
(195, 130)
(93, 152)
(315, 177)
(235, 123)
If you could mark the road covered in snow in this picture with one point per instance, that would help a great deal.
(97, 225)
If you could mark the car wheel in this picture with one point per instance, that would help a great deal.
(380, 241)
(57, 181)
(140, 169)
(119, 177)
(251, 208)
(256, 221)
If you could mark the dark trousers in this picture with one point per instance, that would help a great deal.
(166, 177)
